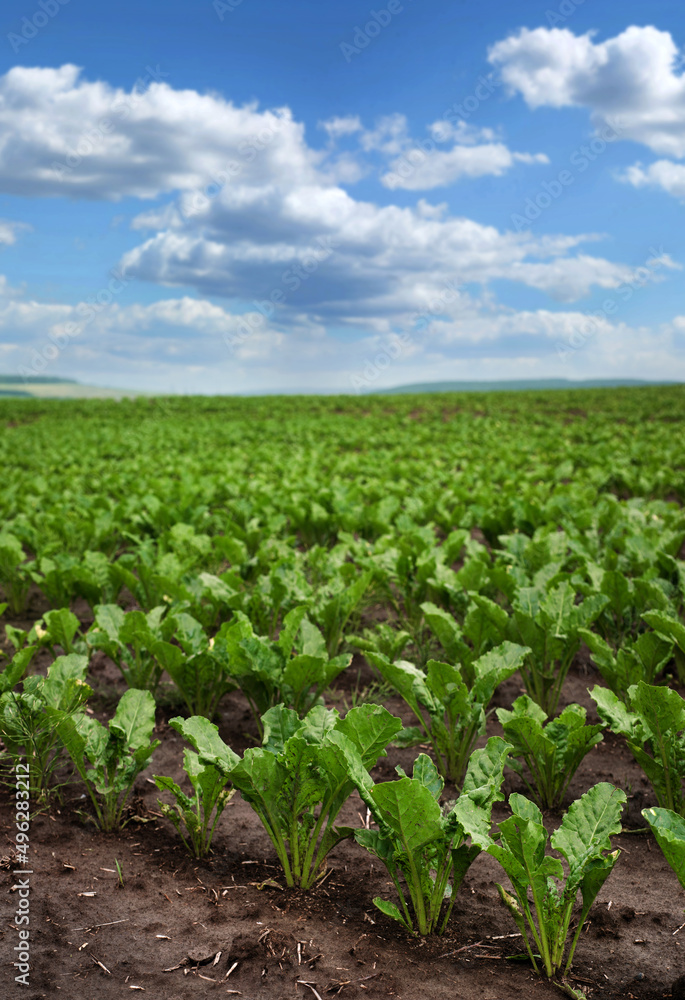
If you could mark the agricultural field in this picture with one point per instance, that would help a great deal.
(425, 654)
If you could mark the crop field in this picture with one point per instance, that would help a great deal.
(356, 697)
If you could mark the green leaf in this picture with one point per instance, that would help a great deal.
(485, 623)
(291, 625)
(426, 773)
(409, 809)
(443, 625)
(661, 709)
(134, 718)
(614, 712)
(587, 827)
(370, 728)
(408, 681)
(482, 788)
(667, 626)
(556, 611)
(446, 684)
(618, 588)
(495, 667)
(669, 829)
(15, 670)
(523, 707)
(279, 724)
(204, 737)
(110, 618)
(391, 910)
(312, 642)
(64, 687)
(62, 626)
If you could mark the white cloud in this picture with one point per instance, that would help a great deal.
(196, 345)
(417, 170)
(632, 78)
(345, 260)
(64, 135)
(257, 203)
(418, 165)
(461, 131)
(9, 231)
(341, 125)
(664, 174)
(390, 135)
(278, 239)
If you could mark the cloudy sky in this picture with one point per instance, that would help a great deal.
(253, 195)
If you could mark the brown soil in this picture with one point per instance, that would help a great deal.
(174, 910)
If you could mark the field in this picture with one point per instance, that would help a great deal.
(296, 550)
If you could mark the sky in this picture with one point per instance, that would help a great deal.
(242, 196)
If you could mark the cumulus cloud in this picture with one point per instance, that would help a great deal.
(62, 135)
(10, 230)
(633, 78)
(418, 165)
(664, 174)
(259, 210)
(321, 250)
(262, 222)
(417, 170)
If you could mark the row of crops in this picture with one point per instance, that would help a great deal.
(263, 547)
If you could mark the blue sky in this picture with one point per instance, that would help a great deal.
(253, 196)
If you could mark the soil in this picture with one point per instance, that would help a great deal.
(180, 928)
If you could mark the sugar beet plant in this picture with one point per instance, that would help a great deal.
(543, 895)
(425, 848)
(135, 641)
(299, 780)
(109, 759)
(292, 670)
(197, 814)
(549, 623)
(552, 753)
(451, 713)
(198, 666)
(642, 659)
(652, 720)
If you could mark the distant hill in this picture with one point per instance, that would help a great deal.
(37, 379)
(516, 386)
(51, 387)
